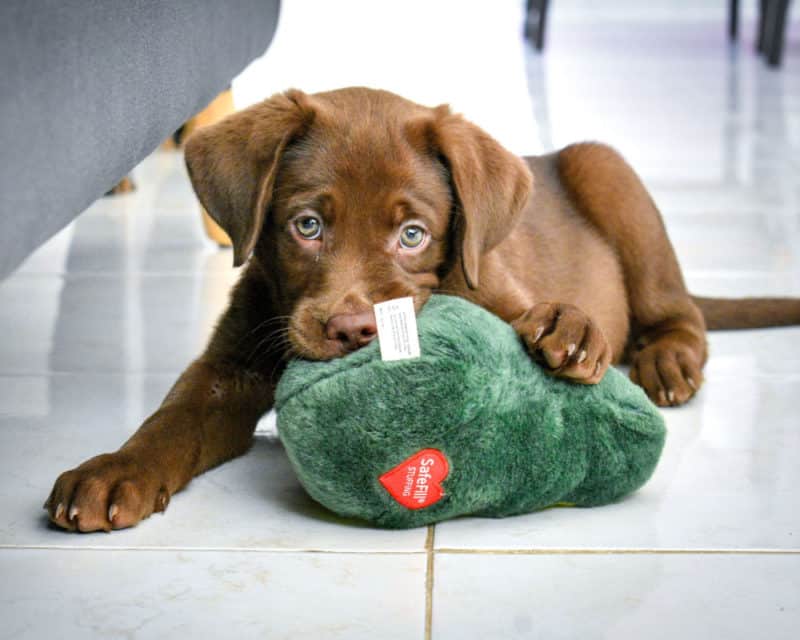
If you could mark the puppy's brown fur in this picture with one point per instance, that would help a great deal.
(568, 247)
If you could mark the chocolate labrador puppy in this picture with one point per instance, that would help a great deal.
(343, 199)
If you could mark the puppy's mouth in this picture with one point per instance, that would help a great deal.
(316, 334)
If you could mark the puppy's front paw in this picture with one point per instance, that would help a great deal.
(565, 341)
(110, 491)
(669, 370)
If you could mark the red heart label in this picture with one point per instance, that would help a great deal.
(416, 483)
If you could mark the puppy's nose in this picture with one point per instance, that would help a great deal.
(352, 330)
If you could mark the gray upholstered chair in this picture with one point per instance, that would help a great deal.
(88, 88)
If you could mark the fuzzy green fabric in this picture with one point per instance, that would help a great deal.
(514, 439)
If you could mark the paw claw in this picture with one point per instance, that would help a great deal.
(162, 500)
(109, 491)
(668, 369)
(565, 341)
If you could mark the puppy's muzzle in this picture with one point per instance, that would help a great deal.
(351, 331)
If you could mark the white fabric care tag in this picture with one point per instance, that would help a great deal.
(397, 329)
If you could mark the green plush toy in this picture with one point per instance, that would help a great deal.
(473, 426)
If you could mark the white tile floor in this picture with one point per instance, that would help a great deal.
(97, 324)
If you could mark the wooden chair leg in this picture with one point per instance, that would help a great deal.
(220, 107)
(126, 185)
(213, 230)
(217, 109)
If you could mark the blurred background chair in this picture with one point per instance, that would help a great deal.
(89, 89)
(770, 31)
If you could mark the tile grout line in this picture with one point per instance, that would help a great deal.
(623, 551)
(429, 551)
(186, 549)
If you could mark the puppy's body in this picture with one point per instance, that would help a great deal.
(349, 198)
(554, 254)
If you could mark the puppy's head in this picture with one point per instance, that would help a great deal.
(354, 197)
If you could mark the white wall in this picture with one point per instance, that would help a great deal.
(468, 53)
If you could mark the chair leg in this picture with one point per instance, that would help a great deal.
(126, 185)
(733, 19)
(761, 25)
(536, 22)
(542, 24)
(776, 32)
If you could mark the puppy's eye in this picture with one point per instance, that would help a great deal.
(412, 236)
(309, 227)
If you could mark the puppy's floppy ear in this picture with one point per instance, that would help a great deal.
(232, 164)
(492, 185)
